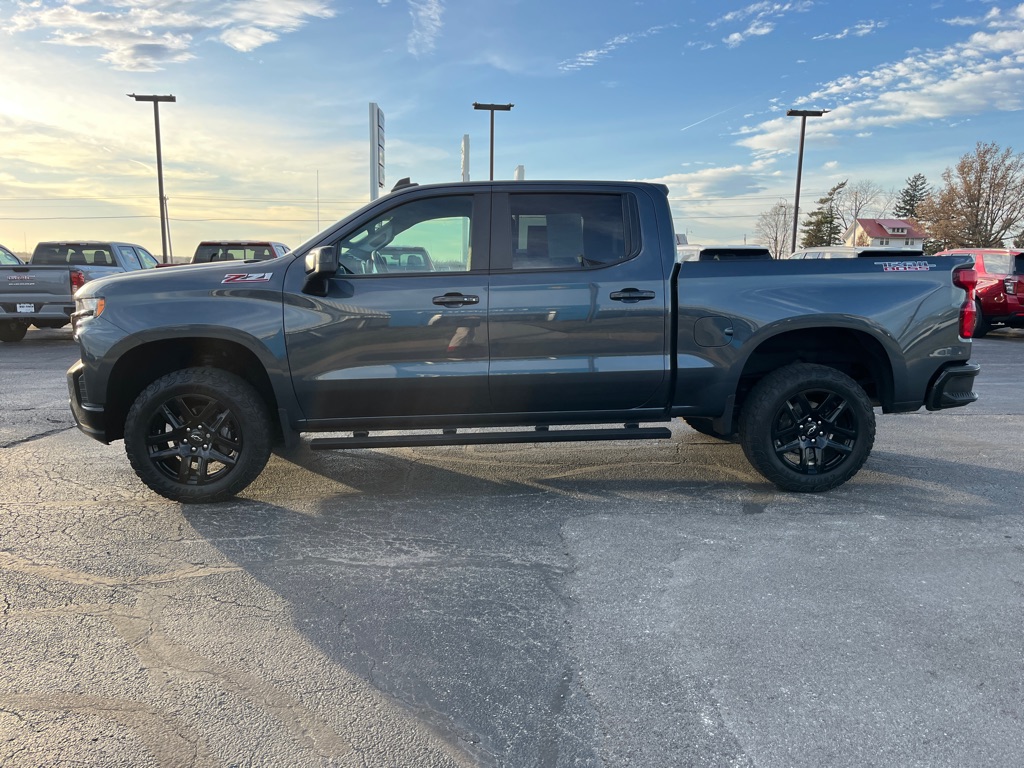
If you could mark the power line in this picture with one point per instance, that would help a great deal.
(111, 198)
(146, 216)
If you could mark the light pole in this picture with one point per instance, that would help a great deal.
(803, 114)
(492, 108)
(164, 239)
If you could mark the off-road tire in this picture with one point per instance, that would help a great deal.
(807, 428)
(198, 435)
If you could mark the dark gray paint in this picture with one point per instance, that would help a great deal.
(375, 353)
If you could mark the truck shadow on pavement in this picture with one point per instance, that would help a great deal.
(447, 578)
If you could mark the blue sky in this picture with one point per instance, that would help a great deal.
(269, 136)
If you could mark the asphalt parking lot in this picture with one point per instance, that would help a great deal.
(608, 604)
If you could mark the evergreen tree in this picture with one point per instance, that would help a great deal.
(911, 197)
(823, 226)
(1018, 241)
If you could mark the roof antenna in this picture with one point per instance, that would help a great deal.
(403, 183)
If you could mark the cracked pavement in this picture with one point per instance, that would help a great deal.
(647, 604)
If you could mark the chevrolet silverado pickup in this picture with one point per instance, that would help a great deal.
(40, 293)
(548, 312)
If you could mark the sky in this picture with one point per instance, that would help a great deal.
(269, 133)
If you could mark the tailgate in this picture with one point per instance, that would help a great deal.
(43, 283)
(29, 290)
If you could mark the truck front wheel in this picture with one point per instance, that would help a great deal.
(807, 428)
(198, 435)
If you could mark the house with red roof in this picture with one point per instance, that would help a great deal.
(894, 233)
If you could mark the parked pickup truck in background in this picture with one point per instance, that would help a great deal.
(40, 293)
(561, 310)
(238, 250)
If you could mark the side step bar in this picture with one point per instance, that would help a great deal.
(451, 437)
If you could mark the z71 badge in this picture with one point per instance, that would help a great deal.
(905, 266)
(248, 277)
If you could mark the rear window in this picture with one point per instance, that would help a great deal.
(398, 259)
(997, 263)
(735, 254)
(73, 253)
(233, 252)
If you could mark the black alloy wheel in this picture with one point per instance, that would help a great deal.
(807, 428)
(198, 435)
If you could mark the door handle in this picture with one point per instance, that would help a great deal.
(631, 295)
(456, 300)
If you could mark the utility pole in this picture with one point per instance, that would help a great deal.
(164, 232)
(803, 114)
(492, 108)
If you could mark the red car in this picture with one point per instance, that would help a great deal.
(1000, 286)
(1014, 286)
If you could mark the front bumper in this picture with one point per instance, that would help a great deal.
(89, 417)
(953, 387)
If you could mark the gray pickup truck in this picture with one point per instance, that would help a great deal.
(40, 292)
(549, 311)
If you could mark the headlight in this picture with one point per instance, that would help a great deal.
(90, 307)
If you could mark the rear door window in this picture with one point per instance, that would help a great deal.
(571, 231)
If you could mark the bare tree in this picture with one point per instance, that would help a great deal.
(775, 229)
(856, 200)
(981, 202)
(888, 202)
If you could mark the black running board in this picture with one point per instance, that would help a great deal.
(451, 437)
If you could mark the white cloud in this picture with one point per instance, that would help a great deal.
(703, 185)
(754, 30)
(591, 57)
(146, 35)
(426, 25)
(760, 16)
(983, 73)
(974, 21)
(247, 39)
(861, 29)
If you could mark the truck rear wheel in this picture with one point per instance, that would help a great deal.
(198, 435)
(12, 330)
(807, 428)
